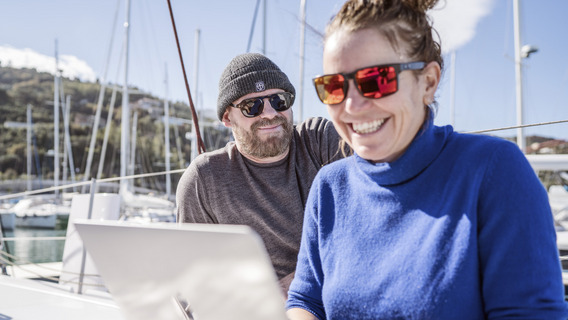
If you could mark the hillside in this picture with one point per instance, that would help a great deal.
(22, 87)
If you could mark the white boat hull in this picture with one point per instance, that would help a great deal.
(31, 299)
(46, 221)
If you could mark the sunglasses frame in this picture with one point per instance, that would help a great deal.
(288, 99)
(398, 68)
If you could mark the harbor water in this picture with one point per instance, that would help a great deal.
(28, 250)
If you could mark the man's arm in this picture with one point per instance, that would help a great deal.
(285, 284)
(324, 141)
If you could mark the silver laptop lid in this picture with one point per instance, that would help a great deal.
(222, 271)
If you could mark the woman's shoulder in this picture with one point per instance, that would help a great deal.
(337, 169)
(478, 149)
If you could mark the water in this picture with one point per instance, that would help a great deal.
(35, 251)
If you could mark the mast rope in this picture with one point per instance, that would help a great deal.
(200, 145)
(520, 126)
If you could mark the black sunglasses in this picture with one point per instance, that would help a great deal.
(372, 82)
(253, 107)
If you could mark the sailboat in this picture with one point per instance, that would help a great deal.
(44, 211)
(134, 206)
(37, 213)
(52, 300)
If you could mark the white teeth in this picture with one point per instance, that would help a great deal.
(368, 127)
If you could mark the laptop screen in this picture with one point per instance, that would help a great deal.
(154, 271)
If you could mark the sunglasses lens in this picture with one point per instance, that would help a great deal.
(277, 103)
(330, 88)
(376, 82)
(280, 101)
(251, 107)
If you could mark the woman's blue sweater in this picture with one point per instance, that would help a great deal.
(459, 227)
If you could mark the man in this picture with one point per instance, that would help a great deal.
(262, 178)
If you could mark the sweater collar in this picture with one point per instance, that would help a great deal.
(425, 147)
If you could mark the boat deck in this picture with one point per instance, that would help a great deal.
(32, 299)
(35, 271)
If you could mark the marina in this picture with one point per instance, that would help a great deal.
(46, 271)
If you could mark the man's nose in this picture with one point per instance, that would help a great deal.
(268, 111)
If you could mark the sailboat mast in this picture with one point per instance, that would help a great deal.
(67, 139)
(194, 147)
(107, 131)
(131, 165)
(125, 119)
(518, 78)
(100, 101)
(196, 68)
(56, 123)
(29, 146)
(109, 117)
(252, 26)
(264, 29)
(167, 136)
(302, 51)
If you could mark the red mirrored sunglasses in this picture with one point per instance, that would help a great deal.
(372, 82)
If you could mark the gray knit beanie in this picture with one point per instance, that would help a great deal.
(247, 73)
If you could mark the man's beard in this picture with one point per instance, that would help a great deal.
(274, 145)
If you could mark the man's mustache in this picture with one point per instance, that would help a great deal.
(278, 120)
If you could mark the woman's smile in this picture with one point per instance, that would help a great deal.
(367, 127)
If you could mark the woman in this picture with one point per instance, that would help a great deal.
(422, 222)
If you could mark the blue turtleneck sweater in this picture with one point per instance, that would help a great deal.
(459, 227)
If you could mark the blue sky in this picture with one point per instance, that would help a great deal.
(480, 31)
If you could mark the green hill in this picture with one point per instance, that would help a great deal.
(22, 87)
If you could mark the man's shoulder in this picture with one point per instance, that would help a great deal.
(316, 128)
(207, 164)
(317, 138)
(216, 156)
(314, 124)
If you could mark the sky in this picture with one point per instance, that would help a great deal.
(479, 32)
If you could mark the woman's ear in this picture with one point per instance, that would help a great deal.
(432, 74)
(226, 121)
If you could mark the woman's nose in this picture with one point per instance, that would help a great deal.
(354, 101)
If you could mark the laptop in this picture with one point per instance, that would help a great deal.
(184, 271)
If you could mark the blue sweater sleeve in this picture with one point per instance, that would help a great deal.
(306, 288)
(516, 238)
